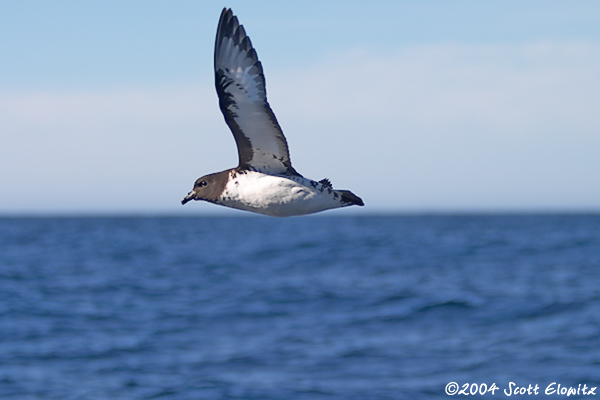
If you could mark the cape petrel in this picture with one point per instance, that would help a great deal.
(264, 182)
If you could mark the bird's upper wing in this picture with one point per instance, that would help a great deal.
(242, 95)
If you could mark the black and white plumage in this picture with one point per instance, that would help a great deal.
(264, 180)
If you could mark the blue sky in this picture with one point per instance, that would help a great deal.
(109, 106)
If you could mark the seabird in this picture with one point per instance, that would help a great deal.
(264, 181)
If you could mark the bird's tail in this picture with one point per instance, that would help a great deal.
(349, 198)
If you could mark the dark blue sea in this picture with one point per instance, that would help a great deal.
(312, 308)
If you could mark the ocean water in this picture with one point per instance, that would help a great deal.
(330, 307)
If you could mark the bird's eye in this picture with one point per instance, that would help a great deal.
(201, 183)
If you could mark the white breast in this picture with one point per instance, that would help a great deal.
(277, 196)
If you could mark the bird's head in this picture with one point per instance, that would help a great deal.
(208, 187)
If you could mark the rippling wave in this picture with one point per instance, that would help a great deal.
(303, 308)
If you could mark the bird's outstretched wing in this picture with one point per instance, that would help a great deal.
(242, 95)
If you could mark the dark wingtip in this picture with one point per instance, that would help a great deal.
(226, 11)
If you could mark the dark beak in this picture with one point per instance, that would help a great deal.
(187, 198)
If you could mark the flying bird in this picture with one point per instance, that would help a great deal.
(264, 181)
